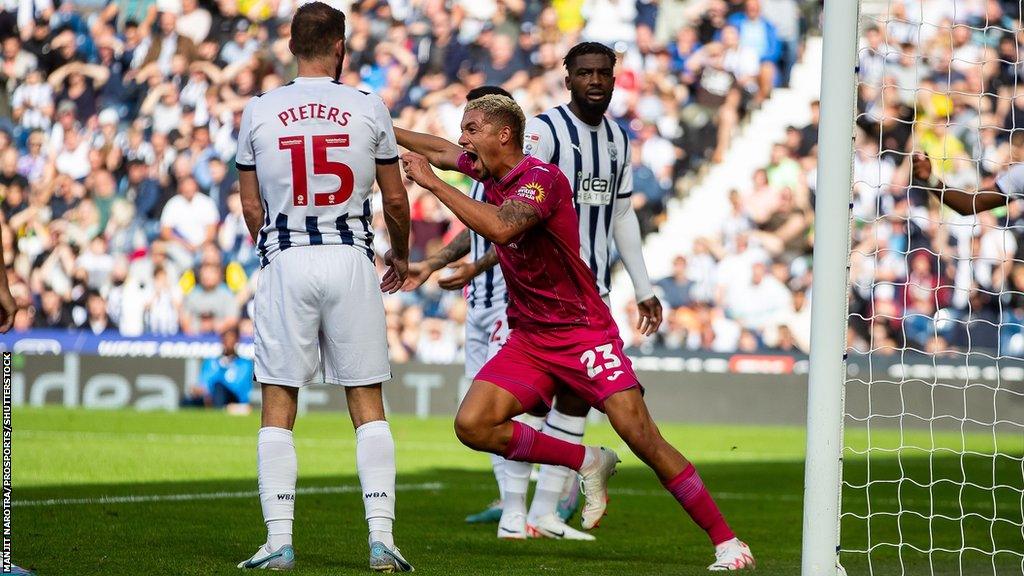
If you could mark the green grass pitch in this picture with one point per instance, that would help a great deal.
(171, 493)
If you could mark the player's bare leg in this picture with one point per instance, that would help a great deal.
(630, 418)
(277, 470)
(375, 463)
(484, 422)
(557, 494)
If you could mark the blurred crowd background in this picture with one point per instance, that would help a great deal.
(118, 127)
(925, 278)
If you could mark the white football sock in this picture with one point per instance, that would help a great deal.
(498, 464)
(517, 482)
(552, 479)
(277, 470)
(375, 462)
(517, 474)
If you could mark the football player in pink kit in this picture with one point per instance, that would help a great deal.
(563, 334)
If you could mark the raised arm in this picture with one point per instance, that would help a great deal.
(57, 77)
(962, 202)
(499, 224)
(437, 150)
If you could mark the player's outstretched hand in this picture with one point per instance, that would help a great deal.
(393, 279)
(650, 316)
(418, 168)
(8, 309)
(922, 166)
(419, 272)
(462, 274)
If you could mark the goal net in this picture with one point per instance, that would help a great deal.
(932, 458)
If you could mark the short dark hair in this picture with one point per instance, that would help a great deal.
(486, 90)
(584, 48)
(316, 27)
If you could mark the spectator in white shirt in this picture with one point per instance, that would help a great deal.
(609, 21)
(741, 60)
(437, 343)
(97, 261)
(760, 302)
(194, 21)
(33, 102)
(188, 221)
(73, 158)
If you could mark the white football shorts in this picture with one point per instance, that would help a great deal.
(319, 317)
(486, 332)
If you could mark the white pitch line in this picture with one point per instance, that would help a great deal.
(422, 487)
(213, 495)
(218, 439)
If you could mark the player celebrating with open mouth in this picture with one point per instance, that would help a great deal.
(563, 334)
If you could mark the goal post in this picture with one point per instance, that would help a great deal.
(915, 422)
(826, 377)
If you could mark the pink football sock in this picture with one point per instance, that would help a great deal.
(689, 491)
(529, 445)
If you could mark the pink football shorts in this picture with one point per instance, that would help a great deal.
(590, 362)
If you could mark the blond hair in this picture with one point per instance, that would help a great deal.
(502, 110)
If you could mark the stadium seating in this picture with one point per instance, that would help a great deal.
(104, 136)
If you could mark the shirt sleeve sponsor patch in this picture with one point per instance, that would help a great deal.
(531, 143)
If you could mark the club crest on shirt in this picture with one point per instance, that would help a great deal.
(532, 191)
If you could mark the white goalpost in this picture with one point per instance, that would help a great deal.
(915, 425)
(823, 472)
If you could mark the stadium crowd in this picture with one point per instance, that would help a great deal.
(119, 120)
(924, 277)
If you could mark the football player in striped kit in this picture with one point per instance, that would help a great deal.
(309, 153)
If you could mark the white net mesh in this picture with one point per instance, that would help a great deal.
(934, 426)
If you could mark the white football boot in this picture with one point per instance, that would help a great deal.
(594, 484)
(732, 555)
(512, 525)
(281, 559)
(384, 559)
(551, 526)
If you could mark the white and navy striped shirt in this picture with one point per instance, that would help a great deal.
(596, 160)
(487, 289)
(314, 144)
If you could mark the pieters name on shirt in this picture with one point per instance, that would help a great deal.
(314, 111)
